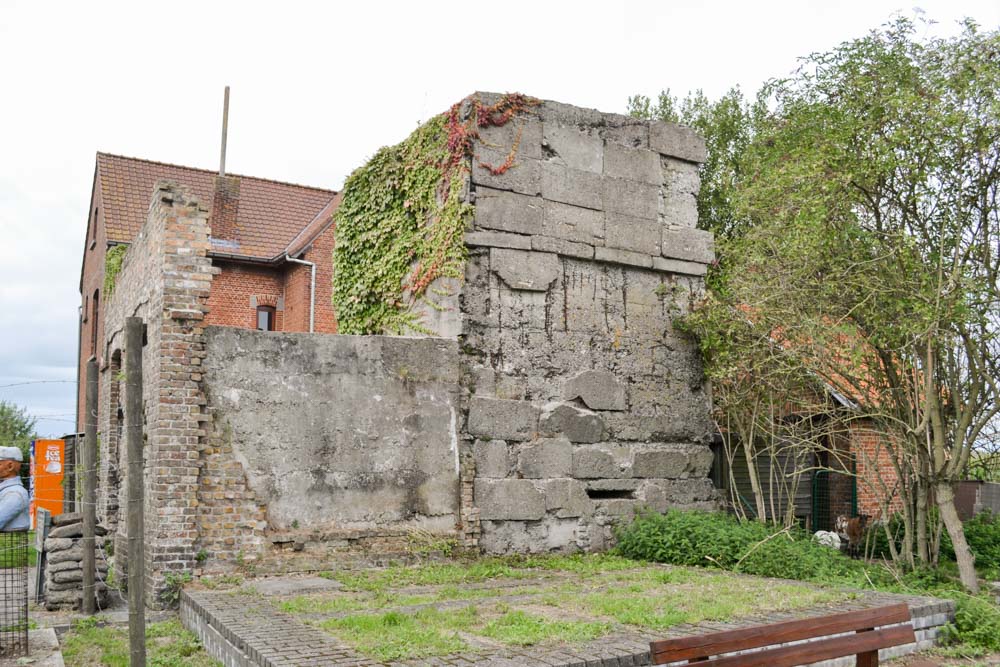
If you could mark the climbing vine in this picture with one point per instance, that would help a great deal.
(401, 222)
(112, 267)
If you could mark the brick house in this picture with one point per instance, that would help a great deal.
(271, 241)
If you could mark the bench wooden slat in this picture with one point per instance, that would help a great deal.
(727, 641)
(823, 649)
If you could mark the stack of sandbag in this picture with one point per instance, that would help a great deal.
(64, 564)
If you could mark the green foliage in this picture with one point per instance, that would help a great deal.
(393, 218)
(88, 644)
(728, 125)
(112, 267)
(719, 540)
(401, 223)
(982, 532)
(17, 429)
(173, 584)
(977, 621)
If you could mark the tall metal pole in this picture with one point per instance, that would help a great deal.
(89, 488)
(136, 542)
(225, 130)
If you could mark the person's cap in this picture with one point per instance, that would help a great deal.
(10, 454)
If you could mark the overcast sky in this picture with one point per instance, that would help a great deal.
(316, 89)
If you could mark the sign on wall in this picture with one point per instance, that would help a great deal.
(48, 465)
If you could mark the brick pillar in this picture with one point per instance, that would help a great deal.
(174, 396)
(226, 207)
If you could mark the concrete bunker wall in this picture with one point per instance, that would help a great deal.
(583, 402)
(336, 432)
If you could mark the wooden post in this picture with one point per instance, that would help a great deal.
(225, 131)
(90, 489)
(136, 543)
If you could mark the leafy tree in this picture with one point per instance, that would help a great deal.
(17, 428)
(728, 125)
(874, 252)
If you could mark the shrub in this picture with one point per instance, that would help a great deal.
(982, 532)
(720, 540)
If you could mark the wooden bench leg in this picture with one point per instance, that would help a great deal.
(869, 659)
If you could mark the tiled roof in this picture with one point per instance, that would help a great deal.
(271, 214)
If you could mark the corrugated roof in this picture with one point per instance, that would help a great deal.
(271, 214)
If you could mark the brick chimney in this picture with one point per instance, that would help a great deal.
(225, 208)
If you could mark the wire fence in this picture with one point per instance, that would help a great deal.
(14, 593)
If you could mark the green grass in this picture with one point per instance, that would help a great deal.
(484, 569)
(168, 644)
(394, 635)
(522, 629)
(8, 558)
(598, 594)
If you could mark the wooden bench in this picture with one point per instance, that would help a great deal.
(875, 628)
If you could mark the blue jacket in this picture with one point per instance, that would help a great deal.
(13, 505)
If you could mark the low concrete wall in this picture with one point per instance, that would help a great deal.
(338, 432)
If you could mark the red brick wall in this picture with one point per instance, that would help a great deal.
(94, 250)
(321, 252)
(229, 301)
(297, 297)
(297, 287)
(877, 476)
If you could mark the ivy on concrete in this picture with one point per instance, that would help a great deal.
(401, 223)
(112, 267)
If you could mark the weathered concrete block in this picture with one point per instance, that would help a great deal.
(502, 419)
(568, 497)
(492, 458)
(571, 186)
(602, 461)
(498, 240)
(640, 200)
(621, 484)
(630, 132)
(524, 131)
(524, 176)
(545, 458)
(628, 257)
(690, 245)
(528, 537)
(680, 191)
(562, 247)
(572, 223)
(676, 141)
(567, 114)
(633, 164)
(508, 211)
(573, 147)
(577, 424)
(531, 271)
(663, 494)
(508, 499)
(523, 310)
(599, 390)
(627, 232)
(671, 461)
(678, 266)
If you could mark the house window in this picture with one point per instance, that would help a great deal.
(265, 318)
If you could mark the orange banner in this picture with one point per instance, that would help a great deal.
(48, 465)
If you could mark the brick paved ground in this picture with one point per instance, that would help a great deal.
(249, 629)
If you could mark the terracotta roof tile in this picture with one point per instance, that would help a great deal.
(271, 214)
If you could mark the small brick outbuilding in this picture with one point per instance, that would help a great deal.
(264, 235)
